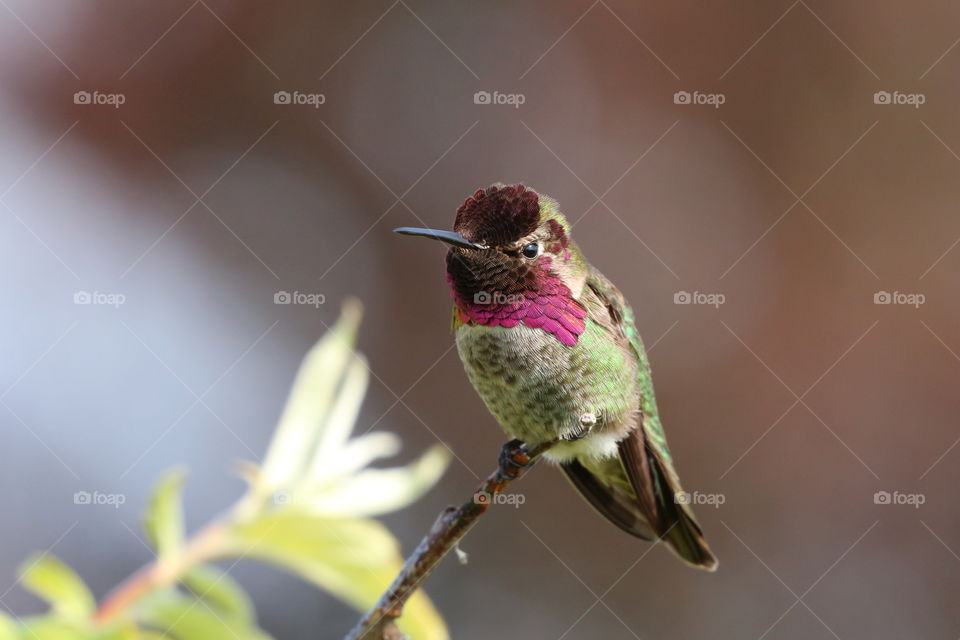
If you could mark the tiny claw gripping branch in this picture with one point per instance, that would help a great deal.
(515, 459)
(449, 528)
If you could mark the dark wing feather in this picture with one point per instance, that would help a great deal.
(613, 505)
(633, 454)
(645, 454)
(673, 522)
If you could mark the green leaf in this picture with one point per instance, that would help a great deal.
(124, 631)
(53, 628)
(222, 593)
(8, 628)
(357, 454)
(375, 491)
(339, 423)
(186, 618)
(163, 520)
(311, 398)
(58, 585)
(354, 559)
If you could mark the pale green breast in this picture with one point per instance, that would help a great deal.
(538, 388)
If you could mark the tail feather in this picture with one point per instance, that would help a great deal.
(679, 528)
(673, 521)
(616, 506)
(638, 493)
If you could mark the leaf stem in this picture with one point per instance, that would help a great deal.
(162, 572)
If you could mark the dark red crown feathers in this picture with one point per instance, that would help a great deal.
(498, 215)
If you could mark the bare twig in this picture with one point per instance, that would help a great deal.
(451, 525)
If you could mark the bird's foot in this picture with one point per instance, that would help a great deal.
(515, 459)
(581, 430)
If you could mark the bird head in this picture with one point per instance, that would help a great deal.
(511, 260)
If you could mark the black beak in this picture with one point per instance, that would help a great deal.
(450, 237)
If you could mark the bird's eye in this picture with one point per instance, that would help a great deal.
(531, 250)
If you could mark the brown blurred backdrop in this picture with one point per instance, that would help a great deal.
(798, 199)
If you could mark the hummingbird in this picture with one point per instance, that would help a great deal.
(552, 348)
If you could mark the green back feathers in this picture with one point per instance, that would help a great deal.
(623, 316)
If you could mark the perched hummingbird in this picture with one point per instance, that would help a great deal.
(551, 347)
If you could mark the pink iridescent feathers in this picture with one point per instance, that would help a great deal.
(504, 292)
(552, 309)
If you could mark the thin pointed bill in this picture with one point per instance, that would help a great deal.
(450, 237)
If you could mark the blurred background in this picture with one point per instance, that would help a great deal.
(788, 169)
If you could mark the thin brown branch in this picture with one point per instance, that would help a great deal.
(451, 525)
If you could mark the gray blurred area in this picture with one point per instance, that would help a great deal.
(798, 199)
